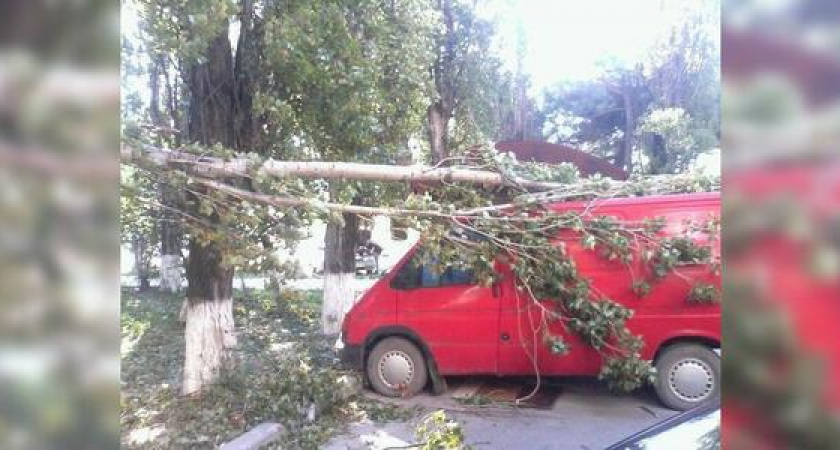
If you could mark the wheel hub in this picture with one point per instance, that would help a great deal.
(396, 369)
(691, 380)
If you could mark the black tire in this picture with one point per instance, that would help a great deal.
(699, 369)
(407, 364)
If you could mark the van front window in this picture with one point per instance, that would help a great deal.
(413, 275)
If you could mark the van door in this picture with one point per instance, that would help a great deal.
(668, 295)
(523, 323)
(456, 317)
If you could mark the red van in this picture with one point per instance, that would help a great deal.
(414, 325)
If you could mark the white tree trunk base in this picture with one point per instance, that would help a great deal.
(182, 314)
(339, 297)
(209, 337)
(171, 273)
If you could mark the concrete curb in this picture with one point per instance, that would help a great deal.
(262, 434)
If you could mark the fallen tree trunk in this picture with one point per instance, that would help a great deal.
(210, 167)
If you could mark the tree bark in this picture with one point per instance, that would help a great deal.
(629, 132)
(438, 126)
(247, 74)
(445, 77)
(141, 262)
(171, 271)
(339, 272)
(209, 331)
(658, 155)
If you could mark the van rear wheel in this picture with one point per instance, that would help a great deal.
(687, 375)
(396, 368)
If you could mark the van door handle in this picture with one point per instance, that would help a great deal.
(505, 337)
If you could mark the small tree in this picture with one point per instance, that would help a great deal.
(137, 223)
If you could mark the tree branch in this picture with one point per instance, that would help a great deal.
(209, 167)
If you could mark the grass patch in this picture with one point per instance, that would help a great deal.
(285, 372)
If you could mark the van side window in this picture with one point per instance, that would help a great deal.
(452, 276)
(428, 277)
(412, 276)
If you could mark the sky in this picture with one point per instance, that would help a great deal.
(564, 39)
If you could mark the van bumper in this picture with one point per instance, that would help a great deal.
(351, 356)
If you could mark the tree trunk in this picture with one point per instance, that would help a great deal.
(209, 331)
(339, 272)
(170, 238)
(141, 262)
(629, 132)
(438, 125)
(247, 74)
(171, 278)
(171, 265)
(658, 155)
(446, 83)
(209, 313)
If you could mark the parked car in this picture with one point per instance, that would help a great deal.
(414, 325)
(367, 257)
(695, 429)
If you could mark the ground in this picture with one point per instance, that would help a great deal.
(286, 372)
(584, 416)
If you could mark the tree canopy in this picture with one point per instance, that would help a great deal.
(651, 116)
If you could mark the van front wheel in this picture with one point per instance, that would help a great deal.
(396, 368)
(687, 375)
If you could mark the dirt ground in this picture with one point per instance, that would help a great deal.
(583, 416)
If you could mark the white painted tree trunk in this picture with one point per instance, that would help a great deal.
(171, 276)
(209, 337)
(339, 297)
(339, 271)
(182, 314)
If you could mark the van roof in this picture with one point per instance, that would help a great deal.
(649, 200)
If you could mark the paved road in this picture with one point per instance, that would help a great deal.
(584, 416)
